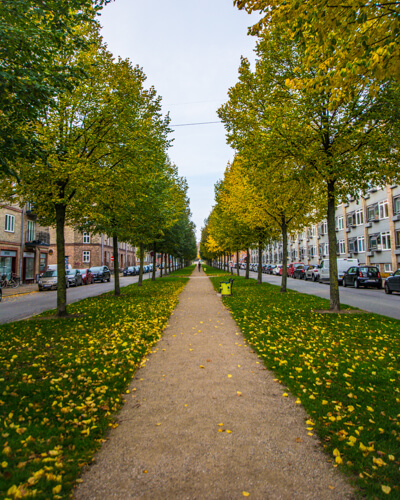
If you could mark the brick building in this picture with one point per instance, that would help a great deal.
(87, 250)
(24, 243)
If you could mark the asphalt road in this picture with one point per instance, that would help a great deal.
(17, 307)
(367, 299)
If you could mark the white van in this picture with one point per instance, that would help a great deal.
(342, 265)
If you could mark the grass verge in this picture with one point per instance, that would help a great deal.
(62, 382)
(344, 370)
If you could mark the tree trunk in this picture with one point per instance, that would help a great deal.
(117, 289)
(166, 263)
(285, 255)
(247, 263)
(169, 264)
(161, 269)
(141, 254)
(259, 271)
(237, 262)
(60, 241)
(333, 274)
(153, 273)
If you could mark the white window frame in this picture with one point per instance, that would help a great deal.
(383, 210)
(388, 268)
(30, 231)
(9, 226)
(342, 247)
(86, 238)
(340, 222)
(86, 256)
(359, 217)
(361, 244)
(385, 240)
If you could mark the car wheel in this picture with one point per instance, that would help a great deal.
(67, 286)
(356, 284)
(344, 283)
(109, 279)
(103, 280)
(379, 286)
(388, 291)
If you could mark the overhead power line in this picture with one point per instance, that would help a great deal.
(189, 124)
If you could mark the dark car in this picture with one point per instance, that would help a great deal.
(312, 273)
(101, 273)
(129, 271)
(300, 272)
(87, 276)
(291, 268)
(74, 277)
(362, 276)
(392, 283)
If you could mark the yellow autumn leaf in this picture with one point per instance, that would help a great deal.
(284, 395)
(386, 489)
(245, 493)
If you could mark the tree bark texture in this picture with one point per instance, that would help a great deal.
(284, 255)
(333, 273)
(153, 273)
(247, 263)
(60, 241)
(117, 288)
(259, 270)
(140, 282)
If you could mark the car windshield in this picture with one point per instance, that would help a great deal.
(83, 271)
(70, 272)
(95, 269)
(50, 274)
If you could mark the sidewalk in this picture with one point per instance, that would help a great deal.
(7, 292)
(205, 420)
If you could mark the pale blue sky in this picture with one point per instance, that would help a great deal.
(190, 51)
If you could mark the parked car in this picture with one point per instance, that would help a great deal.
(100, 273)
(49, 280)
(270, 268)
(74, 277)
(129, 271)
(362, 276)
(278, 270)
(292, 267)
(87, 276)
(312, 273)
(392, 283)
(300, 272)
(342, 266)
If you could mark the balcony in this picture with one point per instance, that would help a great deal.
(41, 238)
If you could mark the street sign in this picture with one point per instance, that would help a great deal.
(112, 258)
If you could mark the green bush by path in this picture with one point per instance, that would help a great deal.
(62, 382)
(344, 369)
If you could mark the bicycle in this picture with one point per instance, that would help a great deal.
(13, 282)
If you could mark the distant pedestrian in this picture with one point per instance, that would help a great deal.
(199, 266)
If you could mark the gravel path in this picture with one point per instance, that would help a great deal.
(205, 420)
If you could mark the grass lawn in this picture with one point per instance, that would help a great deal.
(63, 381)
(344, 370)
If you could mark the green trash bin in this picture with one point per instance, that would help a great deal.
(225, 287)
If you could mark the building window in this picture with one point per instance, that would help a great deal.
(340, 222)
(388, 268)
(397, 238)
(361, 244)
(341, 246)
(373, 212)
(30, 232)
(351, 219)
(86, 256)
(10, 223)
(383, 210)
(313, 232)
(374, 241)
(396, 205)
(86, 237)
(359, 217)
(385, 238)
(353, 245)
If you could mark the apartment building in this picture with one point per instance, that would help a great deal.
(24, 243)
(367, 229)
(83, 249)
